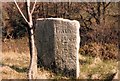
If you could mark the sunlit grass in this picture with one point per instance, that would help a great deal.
(97, 67)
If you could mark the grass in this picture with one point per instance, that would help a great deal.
(89, 69)
(15, 64)
(18, 66)
(95, 68)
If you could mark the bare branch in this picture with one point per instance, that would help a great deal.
(29, 14)
(28, 6)
(107, 4)
(21, 11)
(33, 7)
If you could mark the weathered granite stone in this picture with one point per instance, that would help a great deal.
(57, 41)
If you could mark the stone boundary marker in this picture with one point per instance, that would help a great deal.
(57, 42)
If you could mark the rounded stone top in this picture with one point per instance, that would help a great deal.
(56, 19)
(60, 19)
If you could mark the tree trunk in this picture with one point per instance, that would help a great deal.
(103, 13)
(32, 74)
(98, 12)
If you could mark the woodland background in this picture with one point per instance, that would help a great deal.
(99, 30)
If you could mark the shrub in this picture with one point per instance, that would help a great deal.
(104, 51)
